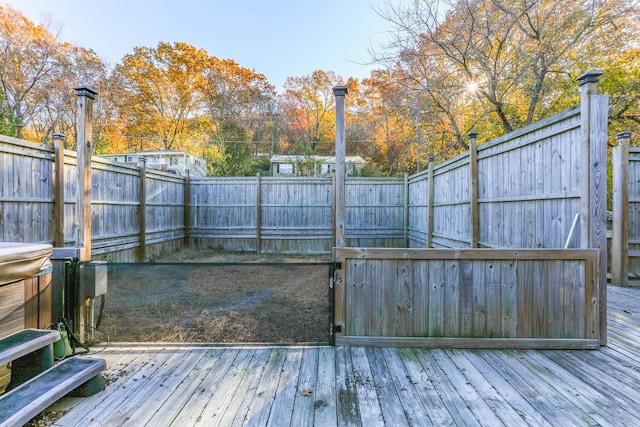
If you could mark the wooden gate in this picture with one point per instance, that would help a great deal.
(522, 298)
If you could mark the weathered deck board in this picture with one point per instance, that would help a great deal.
(347, 386)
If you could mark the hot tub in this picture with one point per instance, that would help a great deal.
(25, 286)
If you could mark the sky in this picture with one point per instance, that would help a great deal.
(277, 38)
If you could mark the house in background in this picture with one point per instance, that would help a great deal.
(175, 162)
(283, 165)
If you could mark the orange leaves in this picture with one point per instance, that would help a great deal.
(308, 103)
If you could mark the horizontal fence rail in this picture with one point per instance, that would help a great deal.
(523, 298)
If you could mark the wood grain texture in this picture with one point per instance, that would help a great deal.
(524, 295)
(352, 385)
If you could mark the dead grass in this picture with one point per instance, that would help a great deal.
(213, 302)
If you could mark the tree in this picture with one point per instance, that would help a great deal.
(30, 56)
(231, 154)
(159, 93)
(308, 107)
(58, 104)
(621, 79)
(233, 94)
(499, 62)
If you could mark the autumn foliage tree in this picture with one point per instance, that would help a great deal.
(158, 93)
(450, 67)
(308, 110)
(494, 65)
(37, 76)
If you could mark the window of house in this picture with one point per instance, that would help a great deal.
(285, 168)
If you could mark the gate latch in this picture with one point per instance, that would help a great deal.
(334, 266)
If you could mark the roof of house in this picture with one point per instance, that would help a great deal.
(285, 158)
(150, 153)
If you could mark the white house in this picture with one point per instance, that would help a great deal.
(312, 165)
(176, 162)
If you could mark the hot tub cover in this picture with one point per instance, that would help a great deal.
(21, 260)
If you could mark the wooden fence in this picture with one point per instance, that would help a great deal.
(528, 191)
(467, 298)
(634, 213)
(625, 243)
(120, 206)
(138, 214)
(293, 215)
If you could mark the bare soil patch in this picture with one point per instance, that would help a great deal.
(218, 297)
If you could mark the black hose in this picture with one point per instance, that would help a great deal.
(102, 300)
(73, 338)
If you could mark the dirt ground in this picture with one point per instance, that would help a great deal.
(213, 296)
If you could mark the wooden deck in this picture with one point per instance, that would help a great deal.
(326, 386)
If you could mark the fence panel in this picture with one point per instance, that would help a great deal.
(451, 203)
(634, 212)
(164, 212)
(26, 192)
(468, 297)
(115, 204)
(223, 213)
(418, 210)
(528, 190)
(296, 215)
(27, 202)
(374, 209)
(529, 185)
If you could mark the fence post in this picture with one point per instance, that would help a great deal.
(142, 211)
(474, 216)
(431, 191)
(58, 206)
(187, 207)
(258, 213)
(405, 195)
(588, 87)
(84, 125)
(340, 92)
(593, 183)
(620, 238)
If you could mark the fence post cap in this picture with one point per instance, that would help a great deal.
(86, 91)
(340, 90)
(623, 135)
(591, 76)
(58, 136)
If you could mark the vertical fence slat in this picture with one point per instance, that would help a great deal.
(58, 210)
(142, 210)
(187, 208)
(405, 202)
(430, 191)
(474, 217)
(258, 213)
(620, 238)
